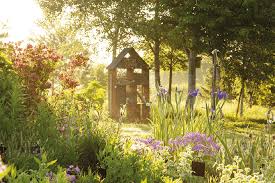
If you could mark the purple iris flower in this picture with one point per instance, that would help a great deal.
(194, 93)
(163, 92)
(221, 95)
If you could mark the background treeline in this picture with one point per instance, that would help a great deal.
(174, 34)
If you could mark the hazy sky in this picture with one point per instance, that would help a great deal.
(20, 17)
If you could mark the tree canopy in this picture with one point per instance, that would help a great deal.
(241, 30)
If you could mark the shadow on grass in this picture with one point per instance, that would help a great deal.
(245, 119)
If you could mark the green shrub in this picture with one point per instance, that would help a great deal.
(45, 122)
(89, 178)
(89, 146)
(122, 165)
(93, 95)
(32, 175)
(12, 100)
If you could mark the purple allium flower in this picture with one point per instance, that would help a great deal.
(194, 93)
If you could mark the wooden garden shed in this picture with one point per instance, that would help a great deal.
(128, 85)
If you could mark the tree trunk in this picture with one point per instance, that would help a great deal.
(250, 99)
(191, 79)
(115, 42)
(239, 101)
(157, 46)
(214, 85)
(242, 99)
(157, 63)
(218, 81)
(170, 79)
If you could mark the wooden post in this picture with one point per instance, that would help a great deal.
(190, 101)
(214, 87)
(113, 101)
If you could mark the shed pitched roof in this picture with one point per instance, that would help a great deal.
(121, 56)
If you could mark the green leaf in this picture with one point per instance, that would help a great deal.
(37, 160)
(51, 163)
(4, 173)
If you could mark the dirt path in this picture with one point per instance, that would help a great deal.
(136, 130)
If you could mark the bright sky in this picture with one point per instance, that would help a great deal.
(20, 17)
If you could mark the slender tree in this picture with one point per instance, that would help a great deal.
(149, 24)
(172, 60)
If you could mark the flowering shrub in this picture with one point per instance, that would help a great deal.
(78, 60)
(199, 142)
(34, 64)
(174, 164)
(124, 164)
(67, 80)
(67, 76)
(178, 165)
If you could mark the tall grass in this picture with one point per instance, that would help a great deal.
(169, 119)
